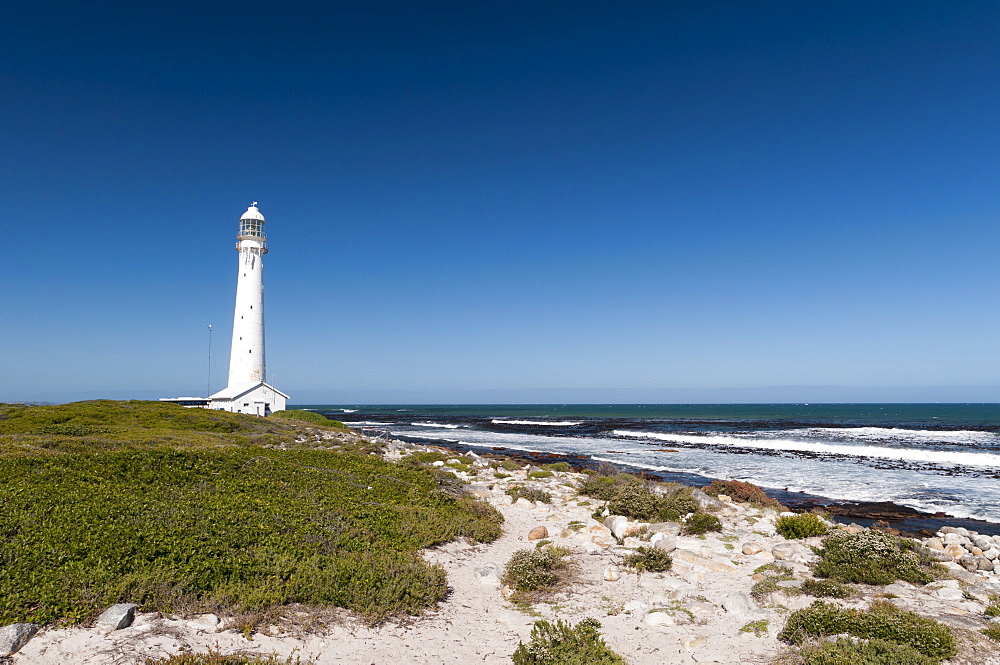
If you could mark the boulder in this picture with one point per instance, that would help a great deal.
(752, 548)
(954, 551)
(666, 528)
(692, 559)
(983, 592)
(992, 553)
(705, 502)
(488, 574)
(15, 636)
(612, 574)
(665, 543)
(783, 551)
(538, 533)
(934, 544)
(117, 616)
(523, 503)
(742, 607)
(618, 526)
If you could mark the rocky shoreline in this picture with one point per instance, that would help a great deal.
(904, 519)
(710, 607)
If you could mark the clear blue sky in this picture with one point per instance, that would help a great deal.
(517, 201)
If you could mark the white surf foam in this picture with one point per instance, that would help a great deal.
(442, 425)
(943, 457)
(553, 423)
(919, 436)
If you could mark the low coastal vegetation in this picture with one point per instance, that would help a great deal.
(806, 525)
(635, 498)
(882, 621)
(531, 574)
(184, 510)
(308, 417)
(742, 492)
(562, 643)
(213, 658)
(649, 559)
(871, 557)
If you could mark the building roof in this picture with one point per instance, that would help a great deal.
(238, 391)
(253, 213)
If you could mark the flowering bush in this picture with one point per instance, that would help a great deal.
(870, 557)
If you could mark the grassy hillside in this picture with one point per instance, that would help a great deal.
(183, 510)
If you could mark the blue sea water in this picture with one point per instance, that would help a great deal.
(931, 457)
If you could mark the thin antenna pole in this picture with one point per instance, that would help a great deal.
(209, 360)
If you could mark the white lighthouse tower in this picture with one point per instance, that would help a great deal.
(248, 390)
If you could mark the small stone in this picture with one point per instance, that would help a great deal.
(118, 616)
(954, 551)
(705, 502)
(654, 619)
(15, 636)
(523, 503)
(538, 533)
(752, 548)
(969, 563)
(783, 551)
(206, 622)
(982, 563)
(634, 606)
(692, 642)
(632, 542)
(592, 548)
(612, 574)
(488, 574)
(992, 553)
(567, 533)
(700, 610)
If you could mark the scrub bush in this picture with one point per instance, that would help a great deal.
(743, 492)
(540, 474)
(826, 589)
(805, 525)
(565, 644)
(649, 559)
(882, 621)
(558, 466)
(309, 417)
(214, 658)
(631, 497)
(872, 652)
(870, 557)
(700, 523)
(529, 572)
(993, 632)
(529, 493)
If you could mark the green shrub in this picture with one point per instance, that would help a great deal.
(223, 529)
(700, 523)
(540, 474)
(869, 557)
(309, 417)
(882, 621)
(826, 589)
(774, 573)
(743, 492)
(993, 609)
(558, 466)
(511, 465)
(564, 644)
(631, 497)
(993, 632)
(758, 628)
(650, 559)
(872, 652)
(531, 571)
(805, 525)
(529, 493)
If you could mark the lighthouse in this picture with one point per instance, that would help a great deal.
(248, 390)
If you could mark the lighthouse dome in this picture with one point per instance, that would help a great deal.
(253, 213)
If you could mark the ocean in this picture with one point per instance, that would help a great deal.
(935, 458)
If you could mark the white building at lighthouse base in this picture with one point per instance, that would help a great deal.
(259, 399)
